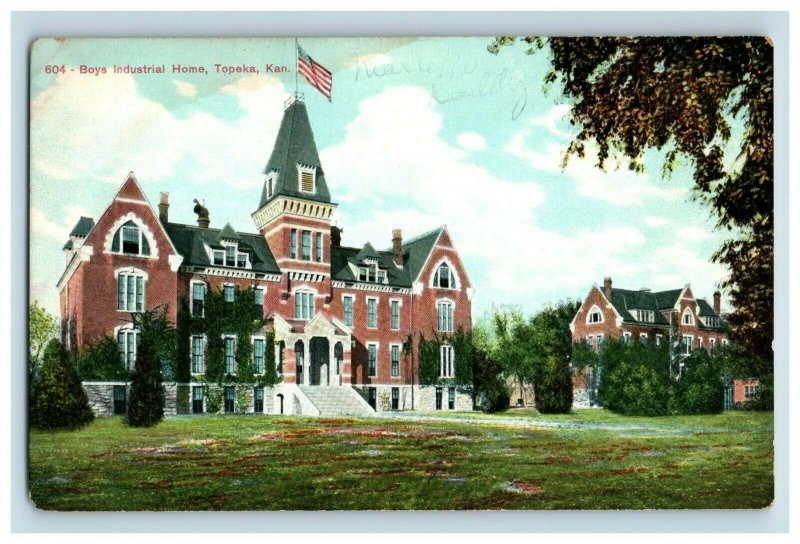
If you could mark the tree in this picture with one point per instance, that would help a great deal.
(156, 345)
(511, 332)
(101, 361)
(700, 389)
(42, 328)
(678, 95)
(57, 399)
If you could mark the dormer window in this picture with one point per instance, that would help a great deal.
(270, 183)
(646, 316)
(688, 318)
(129, 240)
(307, 179)
(444, 278)
(594, 315)
(369, 272)
(229, 256)
(219, 258)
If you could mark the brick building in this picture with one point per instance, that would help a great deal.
(340, 314)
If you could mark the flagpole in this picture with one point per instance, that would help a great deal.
(296, 68)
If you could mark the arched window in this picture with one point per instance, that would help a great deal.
(444, 310)
(688, 318)
(444, 277)
(127, 341)
(338, 354)
(131, 287)
(129, 240)
(594, 315)
(299, 355)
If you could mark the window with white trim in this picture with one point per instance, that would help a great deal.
(294, 244)
(626, 337)
(230, 354)
(372, 313)
(347, 302)
(724, 342)
(688, 317)
(198, 298)
(444, 310)
(394, 307)
(686, 345)
(372, 360)
(270, 182)
(643, 339)
(129, 240)
(590, 341)
(395, 349)
(130, 291)
(699, 342)
(229, 293)
(658, 339)
(599, 342)
(446, 361)
(319, 253)
(304, 305)
(259, 352)
(128, 342)
(594, 315)
(444, 277)
(712, 343)
(198, 354)
(306, 254)
(218, 257)
(306, 179)
(258, 302)
(645, 316)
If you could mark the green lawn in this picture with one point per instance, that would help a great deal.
(593, 460)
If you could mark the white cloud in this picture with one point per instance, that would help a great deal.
(42, 225)
(655, 221)
(184, 88)
(99, 129)
(471, 141)
(552, 118)
(620, 187)
(372, 60)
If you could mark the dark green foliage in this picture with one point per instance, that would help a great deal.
(679, 95)
(184, 403)
(765, 396)
(156, 344)
(636, 379)
(271, 376)
(430, 359)
(553, 389)
(700, 389)
(57, 399)
(496, 397)
(736, 362)
(101, 361)
(183, 338)
(213, 399)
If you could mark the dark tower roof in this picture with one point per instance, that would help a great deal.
(295, 145)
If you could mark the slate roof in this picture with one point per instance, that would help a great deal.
(295, 145)
(367, 252)
(80, 230)
(415, 253)
(626, 300)
(190, 242)
(227, 233)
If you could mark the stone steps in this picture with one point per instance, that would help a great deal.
(337, 401)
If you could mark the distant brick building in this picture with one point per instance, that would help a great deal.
(340, 314)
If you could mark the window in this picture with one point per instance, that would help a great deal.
(129, 240)
(120, 400)
(445, 313)
(395, 311)
(348, 311)
(259, 349)
(230, 255)
(127, 341)
(451, 398)
(688, 318)
(626, 338)
(306, 245)
(590, 341)
(230, 354)
(230, 399)
(270, 185)
(438, 398)
(750, 392)
(304, 305)
(338, 355)
(218, 257)
(258, 302)
(130, 292)
(599, 342)
(299, 358)
(307, 181)
(699, 343)
(372, 397)
(198, 299)
(294, 243)
(395, 398)
(241, 260)
(724, 342)
(643, 338)
(197, 400)
(712, 343)
(381, 276)
(372, 360)
(647, 316)
(372, 313)
(594, 315)
(318, 254)
(229, 293)
(446, 366)
(658, 339)
(444, 277)
(395, 361)
(686, 345)
(197, 354)
(258, 400)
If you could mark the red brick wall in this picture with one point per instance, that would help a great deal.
(739, 396)
(608, 327)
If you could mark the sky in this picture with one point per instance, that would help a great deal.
(419, 133)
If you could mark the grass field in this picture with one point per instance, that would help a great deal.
(519, 460)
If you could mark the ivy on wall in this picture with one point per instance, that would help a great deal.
(429, 352)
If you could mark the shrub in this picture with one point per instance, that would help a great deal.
(146, 403)
(764, 399)
(636, 379)
(213, 399)
(553, 389)
(57, 399)
(101, 362)
(700, 389)
(497, 397)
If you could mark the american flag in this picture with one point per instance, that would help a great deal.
(316, 74)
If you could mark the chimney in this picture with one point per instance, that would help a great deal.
(163, 207)
(717, 298)
(607, 287)
(202, 215)
(336, 236)
(397, 247)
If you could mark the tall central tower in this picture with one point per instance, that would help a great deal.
(294, 214)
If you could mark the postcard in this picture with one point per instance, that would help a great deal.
(471, 273)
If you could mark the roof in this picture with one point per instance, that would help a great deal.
(367, 252)
(626, 300)
(190, 241)
(415, 254)
(227, 233)
(82, 227)
(295, 145)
